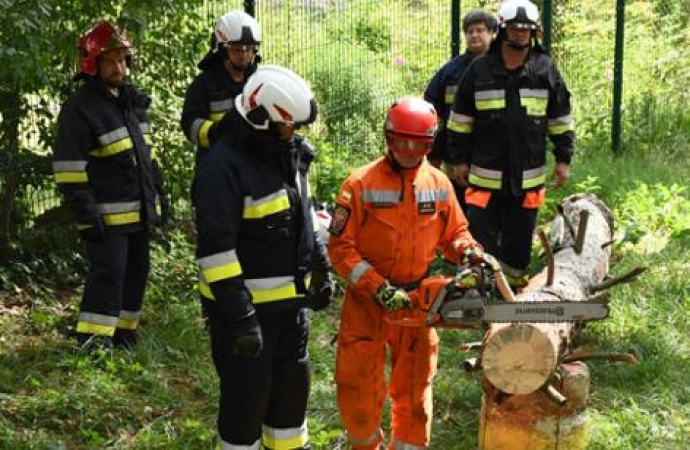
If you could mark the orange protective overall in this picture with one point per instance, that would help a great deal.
(388, 225)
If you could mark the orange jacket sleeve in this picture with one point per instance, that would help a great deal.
(342, 244)
(456, 237)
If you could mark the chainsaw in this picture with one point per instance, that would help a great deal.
(469, 300)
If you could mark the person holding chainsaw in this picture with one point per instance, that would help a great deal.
(233, 57)
(390, 218)
(508, 102)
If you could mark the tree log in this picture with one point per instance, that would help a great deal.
(519, 358)
(530, 393)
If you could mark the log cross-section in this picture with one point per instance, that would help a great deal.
(519, 358)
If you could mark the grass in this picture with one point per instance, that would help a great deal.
(163, 394)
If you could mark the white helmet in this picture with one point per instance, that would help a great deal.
(274, 94)
(237, 27)
(523, 13)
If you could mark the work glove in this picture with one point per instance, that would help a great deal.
(475, 256)
(94, 231)
(321, 290)
(392, 299)
(246, 336)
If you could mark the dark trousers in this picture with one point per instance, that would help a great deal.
(118, 269)
(504, 228)
(272, 389)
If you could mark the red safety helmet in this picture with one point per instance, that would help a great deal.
(100, 38)
(411, 125)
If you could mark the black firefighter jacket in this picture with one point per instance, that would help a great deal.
(500, 120)
(103, 161)
(254, 215)
(207, 99)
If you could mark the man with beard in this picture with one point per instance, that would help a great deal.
(107, 171)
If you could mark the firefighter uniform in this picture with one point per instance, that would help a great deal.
(256, 245)
(207, 100)
(498, 125)
(108, 173)
(441, 92)
(387, 224)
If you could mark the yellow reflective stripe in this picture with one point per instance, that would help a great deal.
(285, 439)
(205, 290)
(83, 226)
(484, 182)
(215, 117)
(147, 139)
(465, 128)
(112, 149)
(530, 181)
(121, 218)
(560, 128)
(483, 105)
(72, 177)
(222, 272)
(203, 133)
(275, 294)
(92, 328)
(534, 106)
(266, 206)
(124, 324)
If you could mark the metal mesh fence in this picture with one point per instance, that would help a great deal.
(361, 54)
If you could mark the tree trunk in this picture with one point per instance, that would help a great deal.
(10, 109)
(524, 379)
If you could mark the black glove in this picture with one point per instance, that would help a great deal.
(321, 290)
(94, 231)
(247, 339)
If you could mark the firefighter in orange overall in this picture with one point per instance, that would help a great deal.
(390, 218)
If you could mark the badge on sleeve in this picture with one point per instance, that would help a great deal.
(340, 217)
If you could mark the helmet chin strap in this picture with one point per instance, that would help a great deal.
(517, 45)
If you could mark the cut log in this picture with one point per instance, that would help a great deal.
(519, 358)
(532, 399)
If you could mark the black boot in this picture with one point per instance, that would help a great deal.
(126, 339)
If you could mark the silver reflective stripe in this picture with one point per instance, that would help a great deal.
(194, 130)
(460, 118)
(486, 173)
(362, 442)
(531, 173)
(145, 127)
(221, 105)
(114, 208)
(431, 195)
(217, 259)
(492, 94)
(357, 272)
(534, 93)
(398, 445)
(98, 319)
(380, 196)
(113, 136)
(69, 166)
(262, 284)
(228, 446)
(563, 120)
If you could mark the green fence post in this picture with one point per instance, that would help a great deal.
(455, 8)
(618, 77)
(546, 25)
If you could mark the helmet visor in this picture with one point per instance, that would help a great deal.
(408, 146)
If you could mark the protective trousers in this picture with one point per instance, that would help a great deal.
(263, 401)
(363, 339)
(115, 284)
(504, 228)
